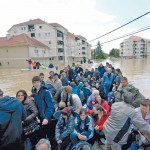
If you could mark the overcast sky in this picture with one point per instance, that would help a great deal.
(89, 18)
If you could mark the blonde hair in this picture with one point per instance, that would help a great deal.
(95, 92)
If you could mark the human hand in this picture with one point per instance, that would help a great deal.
(45, 122)
(96, 127)
(59, 141)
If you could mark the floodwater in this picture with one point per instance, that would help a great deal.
(136, 70)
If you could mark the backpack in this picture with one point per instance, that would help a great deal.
(51, 89)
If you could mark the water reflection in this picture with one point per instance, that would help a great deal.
(136, 70)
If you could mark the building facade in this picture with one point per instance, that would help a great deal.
(16, 50)
(64, 46)
(135, 47)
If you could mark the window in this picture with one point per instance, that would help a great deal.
(47, 34)
(36, 51)
(52, 58)
(60, 57)
(60, 42)
(83, 48)
(21, 28)
(40, 27)
(60, 50)
(32, 34)
(76, 39)
(24, 28)
(83, 42)
(83, 53)
(49, 42)
(59, 33)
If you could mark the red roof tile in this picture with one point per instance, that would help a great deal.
(71, 35)
(81, 37)
(57, 25)
(31, 22)
(20, 40)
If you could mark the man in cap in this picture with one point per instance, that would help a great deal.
(57, 82)
(118, 124)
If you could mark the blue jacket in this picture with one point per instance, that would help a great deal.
(44, 103)
(88, 127)
(65, 81)
(12, 113)
(101, 71)
(107, 80)
(64, 128)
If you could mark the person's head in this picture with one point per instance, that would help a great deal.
(55, 76)
(100, 64)
(85, 147)
(89, 77)
(98, 99)
(21, 95)
(97, 109)
(51, 73)
(36, 81)
(107, 64)
(73, 64)
(124, 81)
(68, 89)
(66, 112)
(97, 85)
(86, 70)
(43, 144)
(109, 70)
(1, 93)
(145, 105)
(92, 69)
(82, 113)
(128, 98)
(41, 75)
(95, 93)
(61, 105)
(96, 69)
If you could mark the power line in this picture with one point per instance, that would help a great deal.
(131, 33)
(120, 26)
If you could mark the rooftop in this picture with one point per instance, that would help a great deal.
(57, 25)
(20, 40)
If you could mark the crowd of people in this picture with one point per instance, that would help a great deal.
(74, 109)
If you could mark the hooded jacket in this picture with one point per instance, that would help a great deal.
(11, 115)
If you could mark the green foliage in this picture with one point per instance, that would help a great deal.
(114, 53)
(99, 54)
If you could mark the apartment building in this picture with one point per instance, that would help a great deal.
(64, 46)
(135, 47)
(15, 50)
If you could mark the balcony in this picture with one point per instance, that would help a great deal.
(59, 38)
(60, 46)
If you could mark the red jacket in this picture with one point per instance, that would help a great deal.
(106, 107)
(101, 122)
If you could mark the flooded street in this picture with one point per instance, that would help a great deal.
(136, 70)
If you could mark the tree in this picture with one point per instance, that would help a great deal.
(114, 53)
(99, 52)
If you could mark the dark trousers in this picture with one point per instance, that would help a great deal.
(14, 146)
(63, 145)
(97, 136)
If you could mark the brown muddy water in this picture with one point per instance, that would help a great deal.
(136, 70)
